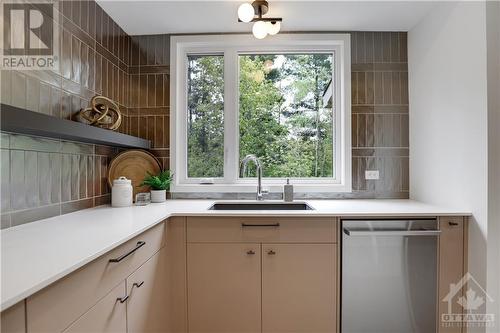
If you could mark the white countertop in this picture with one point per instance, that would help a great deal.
(36, 254)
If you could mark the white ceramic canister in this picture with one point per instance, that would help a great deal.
(121, 192)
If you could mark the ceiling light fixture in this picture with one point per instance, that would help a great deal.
(262, 26)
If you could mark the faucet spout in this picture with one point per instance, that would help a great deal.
(243, 169)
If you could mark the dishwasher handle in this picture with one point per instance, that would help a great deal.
(399, 233)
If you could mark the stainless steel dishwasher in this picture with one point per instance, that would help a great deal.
(389, 276)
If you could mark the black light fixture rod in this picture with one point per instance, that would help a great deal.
(265, 19)
(261, 7)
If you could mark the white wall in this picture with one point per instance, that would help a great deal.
(449, 117)
(493, 56)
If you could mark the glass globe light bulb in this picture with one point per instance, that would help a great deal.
(273, 28)
(259, 29)
(246, 12)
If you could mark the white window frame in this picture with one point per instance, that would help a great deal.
(231, 46)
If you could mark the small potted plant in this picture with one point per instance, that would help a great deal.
(159, 185)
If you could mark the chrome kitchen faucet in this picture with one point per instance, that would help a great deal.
(243, 169)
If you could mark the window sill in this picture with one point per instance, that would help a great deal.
(251, 188)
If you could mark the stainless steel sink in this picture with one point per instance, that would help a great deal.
(260, 206)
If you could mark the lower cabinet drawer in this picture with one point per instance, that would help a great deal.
(262, 229)
(54, 308)
(108, 315)
(148, 296)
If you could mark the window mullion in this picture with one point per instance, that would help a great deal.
(230, 115)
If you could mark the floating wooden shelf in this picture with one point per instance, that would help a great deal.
(18, 120)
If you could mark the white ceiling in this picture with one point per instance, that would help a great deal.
(158, 17)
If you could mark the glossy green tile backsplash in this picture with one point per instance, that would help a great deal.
(42, 177)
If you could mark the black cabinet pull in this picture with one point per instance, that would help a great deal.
(274, 225)
(137, 247)
(138, 285)
(453, 224)
(271, 252)
(122, 299)
(251, 252)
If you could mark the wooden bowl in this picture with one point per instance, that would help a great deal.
(134, 165)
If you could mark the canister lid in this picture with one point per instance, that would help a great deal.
(122, 181)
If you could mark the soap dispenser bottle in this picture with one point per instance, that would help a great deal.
(288, 191)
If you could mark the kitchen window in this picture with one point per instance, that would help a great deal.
(284, 99)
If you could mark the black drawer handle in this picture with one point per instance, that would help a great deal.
(137, 247)
(138, 285)
(251, 252)
(122, 299)
(453, 224)
(274, 225)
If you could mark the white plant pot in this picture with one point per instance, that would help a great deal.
(158, 195)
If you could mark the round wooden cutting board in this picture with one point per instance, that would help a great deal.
(134, 165)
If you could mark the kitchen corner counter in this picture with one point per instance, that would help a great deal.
(37, 254)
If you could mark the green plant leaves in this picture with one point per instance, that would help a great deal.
(158, 182)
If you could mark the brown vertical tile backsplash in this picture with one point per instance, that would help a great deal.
(380, 114)
(148, 88)
(90, 49)
(379, 106)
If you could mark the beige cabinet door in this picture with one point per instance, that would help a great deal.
(13, 320)
(107, 316)
(452, 254)
(224, 285)
(147, 290)
(176, 312)
(299, 288)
